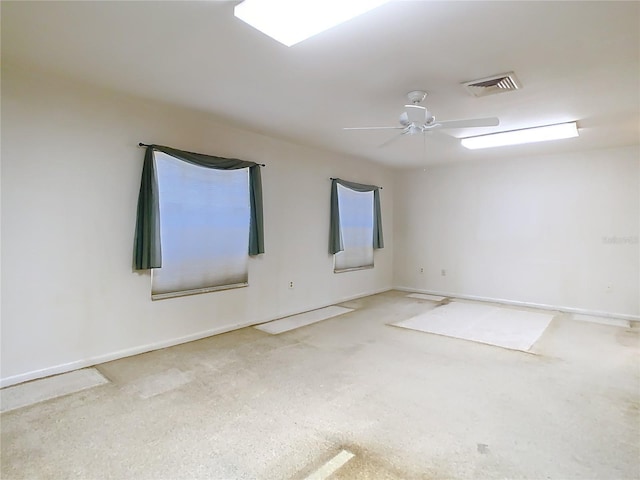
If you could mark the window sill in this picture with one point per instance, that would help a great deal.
(343, 270)
(184, 293)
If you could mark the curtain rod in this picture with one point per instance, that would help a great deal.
(331, 178)
(145, 145)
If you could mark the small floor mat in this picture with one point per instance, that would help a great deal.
(36, 391)
(302, 319)
(424, 296)
(508, 328)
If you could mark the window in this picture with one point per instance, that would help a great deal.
(356, 226)
(204, 228)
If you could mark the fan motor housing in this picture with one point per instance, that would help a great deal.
(416, 96)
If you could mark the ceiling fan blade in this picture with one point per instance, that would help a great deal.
(392, 139)
(372, 128)
(469, 123)
(444, 137)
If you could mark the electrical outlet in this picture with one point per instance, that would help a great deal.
(443, 272)
(290, 285)
(421, 270)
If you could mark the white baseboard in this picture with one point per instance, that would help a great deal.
(91, 361)
(361, 295)
(542, 306)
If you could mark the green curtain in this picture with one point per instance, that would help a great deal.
(335, 236)
(256, 229)
(147, 252)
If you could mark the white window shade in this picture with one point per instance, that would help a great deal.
(356, 226)
(204, 227)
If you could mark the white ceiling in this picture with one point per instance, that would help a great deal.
(576, 61)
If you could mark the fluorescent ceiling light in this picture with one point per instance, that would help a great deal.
(527, 135)
(291, 21)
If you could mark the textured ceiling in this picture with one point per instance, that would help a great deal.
(576, 61)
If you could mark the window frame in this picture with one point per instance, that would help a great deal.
(147, 248)
(198, 186)
(336, 243)
(344, 228)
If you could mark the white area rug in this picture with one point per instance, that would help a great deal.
(424, 296)
(302, 319)
(514, 329)
(36, 391)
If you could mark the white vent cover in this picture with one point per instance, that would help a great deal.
(505, 82)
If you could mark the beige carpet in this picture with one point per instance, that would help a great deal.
(246, 405)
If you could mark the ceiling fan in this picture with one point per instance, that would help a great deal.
(417, 119)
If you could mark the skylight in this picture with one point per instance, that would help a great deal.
(291, 21)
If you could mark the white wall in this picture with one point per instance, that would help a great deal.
(70, 177)
(525, 230)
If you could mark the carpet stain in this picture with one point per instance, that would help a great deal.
(483, 448)
(628, 337)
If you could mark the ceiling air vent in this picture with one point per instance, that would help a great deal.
(505, 82)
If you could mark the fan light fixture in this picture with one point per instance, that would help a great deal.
(291, 21)
(527, 135)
